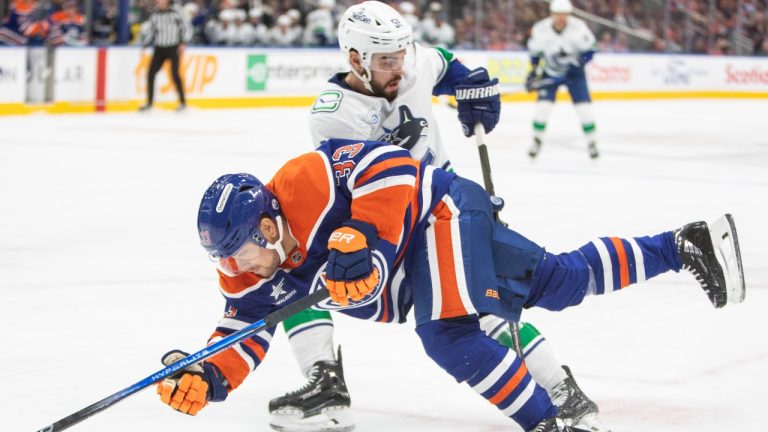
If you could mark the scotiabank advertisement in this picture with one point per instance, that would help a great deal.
(641, 73)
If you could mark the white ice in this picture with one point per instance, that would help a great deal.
(101, 271)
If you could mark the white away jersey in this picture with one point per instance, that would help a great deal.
(560, 50)
(408, 121)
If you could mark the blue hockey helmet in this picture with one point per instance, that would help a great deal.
(230, 213)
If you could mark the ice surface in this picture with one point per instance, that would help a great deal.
(101, 272)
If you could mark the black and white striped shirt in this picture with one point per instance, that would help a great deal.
(166, 28)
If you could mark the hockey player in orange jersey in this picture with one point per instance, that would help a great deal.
(383, 234)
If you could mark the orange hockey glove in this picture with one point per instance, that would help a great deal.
(186, 391)
(350, 273)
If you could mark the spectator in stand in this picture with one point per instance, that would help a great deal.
(428, 22)
(284, 34)
(621, 45)
(104, 29)
(440, 34)
(239, 31)
(67, 26)
(408, 11)
(295, 16)
(762, 49)
(196, 18)
(259, 33)
(217, 25)
(321, 25)
(606, 42)
(25, 24)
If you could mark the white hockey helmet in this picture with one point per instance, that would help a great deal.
(560, 6)
(373, 27)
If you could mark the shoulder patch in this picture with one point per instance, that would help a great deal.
(328, 101)
(447, 55)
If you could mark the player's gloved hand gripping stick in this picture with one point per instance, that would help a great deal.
(177, 370)
(478, 101)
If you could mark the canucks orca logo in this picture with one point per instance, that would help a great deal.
(408, 132)
(318, 283)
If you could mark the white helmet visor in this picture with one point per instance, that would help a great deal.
(242, 260)
(398, 61)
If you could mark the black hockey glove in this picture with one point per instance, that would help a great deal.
(530, 82)
(478, 101)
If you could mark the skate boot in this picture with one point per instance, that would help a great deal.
(535, 147)
(712, 254)
(574, 407)
(555, 424)
(321, 405)
(592, 149)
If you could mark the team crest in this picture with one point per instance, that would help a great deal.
(318, 283)
(408, 132)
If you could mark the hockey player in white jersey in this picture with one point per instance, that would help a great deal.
(560, 46)
(387, 96)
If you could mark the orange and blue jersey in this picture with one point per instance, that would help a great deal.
(22, 25)
(440, 252)
(67, 28)
(372, 182)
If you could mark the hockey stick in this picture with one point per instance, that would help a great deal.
(485, 165)
(270, 320)
(541, 83)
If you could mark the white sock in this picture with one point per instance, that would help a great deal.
(587, 119)
(540, 117)
(312, 344)
(542, 365)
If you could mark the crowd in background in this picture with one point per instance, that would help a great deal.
(695, 26)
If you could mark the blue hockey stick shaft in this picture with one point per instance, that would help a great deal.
(270, 320)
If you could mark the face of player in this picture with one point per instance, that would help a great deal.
(559, 20)
(251, 258)
(387, 72)
(161, 4)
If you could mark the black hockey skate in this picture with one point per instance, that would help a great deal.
(555, 424)
(535, 148)
(592, 149)
(574, 407)
(712, 254)
(321, 405)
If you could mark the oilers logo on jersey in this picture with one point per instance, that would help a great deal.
(318, 283)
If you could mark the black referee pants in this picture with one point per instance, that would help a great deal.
(159, 57)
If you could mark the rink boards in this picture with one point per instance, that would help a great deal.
(114, 78)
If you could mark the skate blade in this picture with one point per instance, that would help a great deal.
(591, 423)
(728, 254)
(332, 419)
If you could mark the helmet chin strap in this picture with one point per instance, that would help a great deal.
(365, 78)
(278, 245)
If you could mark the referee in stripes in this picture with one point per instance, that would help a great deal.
(168, 30)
